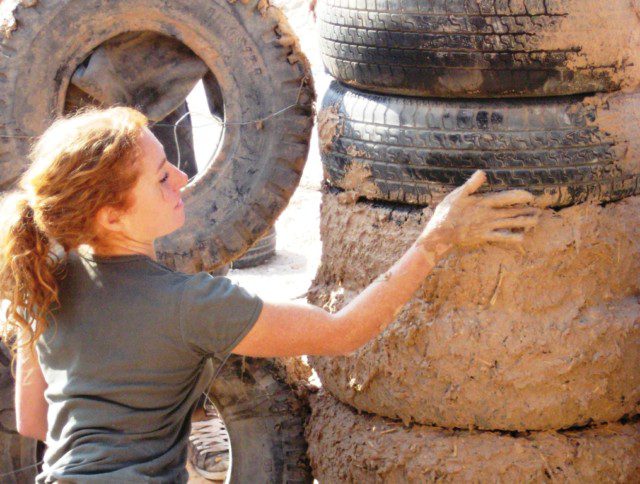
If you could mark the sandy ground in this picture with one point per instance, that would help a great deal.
(288, 275)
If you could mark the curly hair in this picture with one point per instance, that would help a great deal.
(79, 165)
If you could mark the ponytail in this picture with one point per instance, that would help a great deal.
(28, 272)
(79, 164)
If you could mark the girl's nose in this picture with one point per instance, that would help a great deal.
(182, 179)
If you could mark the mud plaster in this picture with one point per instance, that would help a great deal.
(605, 37)
(329, 127)
(347, 447)
(295, 370)
(288, 38)
(540, 336)
(618, 116)
(358, 178)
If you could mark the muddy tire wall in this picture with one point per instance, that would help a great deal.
(473, 48)
(257, 165)
(410, 150)
(347, 446)
(542, 336)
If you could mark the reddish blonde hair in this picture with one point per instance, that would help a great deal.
(79, 165)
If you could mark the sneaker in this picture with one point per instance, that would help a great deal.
(209, 447)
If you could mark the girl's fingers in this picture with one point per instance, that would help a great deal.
(522, 222)
(505, 199)
(474, 183)
(504, 236)
(516, 212)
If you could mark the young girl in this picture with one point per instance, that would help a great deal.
(122, 341)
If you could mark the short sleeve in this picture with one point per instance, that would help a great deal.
(215, 314)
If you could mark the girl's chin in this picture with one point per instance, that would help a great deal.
(177, 223)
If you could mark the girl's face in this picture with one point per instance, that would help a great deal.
(157, 208)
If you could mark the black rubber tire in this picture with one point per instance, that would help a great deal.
(17, 453)
(256, 60)
(259, 253)
(265, 421)
(415, 150)
(473, 48)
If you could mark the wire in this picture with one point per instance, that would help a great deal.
(22, 469)
(222, 123)
(217, 122)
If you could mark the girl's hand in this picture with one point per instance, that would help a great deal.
(463, 218)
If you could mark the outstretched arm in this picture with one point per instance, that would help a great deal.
(462, 218)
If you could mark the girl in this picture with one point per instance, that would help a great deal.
(122, 341)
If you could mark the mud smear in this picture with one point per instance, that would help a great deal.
(287, 38)
(347, 447)
(542, 336)
(329, 127)
(358, 179)
(604, 38)
(618, 116)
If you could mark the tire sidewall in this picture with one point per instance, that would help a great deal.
(255, 168)
(265, 421)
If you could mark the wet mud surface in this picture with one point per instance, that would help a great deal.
(603, 41)
(542, 336)
(347, 447)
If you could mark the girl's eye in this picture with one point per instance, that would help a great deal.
(164, 178)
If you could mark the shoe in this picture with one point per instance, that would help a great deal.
(209, 446)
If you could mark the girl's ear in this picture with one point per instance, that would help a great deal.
(109, 219)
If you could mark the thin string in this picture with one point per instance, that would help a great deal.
(22, 469)
(216, 122)
(222, 123)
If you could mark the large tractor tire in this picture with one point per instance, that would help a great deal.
(265, 421)
(480, 48)
(263, 78)
(17, 453)
(567, 149)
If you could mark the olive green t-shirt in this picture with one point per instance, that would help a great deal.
(126, 359)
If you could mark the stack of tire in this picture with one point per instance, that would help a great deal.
(510, 363)
(258, 80)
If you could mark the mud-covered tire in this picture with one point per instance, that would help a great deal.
(413, 150)
(537, 336)
(255, 58)
(259, 253)
(471, 48)
(350, 446)
(17, 453)
(265, 420)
